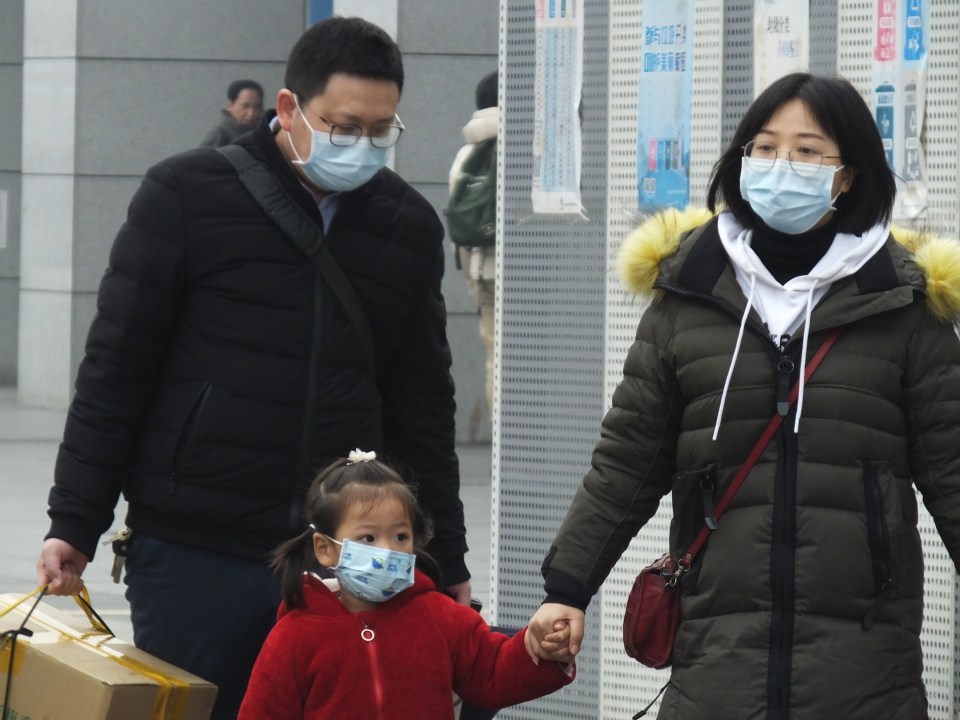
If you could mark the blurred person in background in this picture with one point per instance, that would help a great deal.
(244, 110)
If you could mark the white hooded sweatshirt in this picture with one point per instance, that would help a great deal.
(785, 308)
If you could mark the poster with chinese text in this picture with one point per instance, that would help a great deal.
(781, 40)
(558, 30)
(665, 94)
(899, 97)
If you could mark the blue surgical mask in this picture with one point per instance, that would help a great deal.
(785, 200)
(339, 167)
(373, 573)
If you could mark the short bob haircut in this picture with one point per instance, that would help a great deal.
(838, 108)
(351, 46)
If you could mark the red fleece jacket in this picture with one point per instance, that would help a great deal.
(315, 663)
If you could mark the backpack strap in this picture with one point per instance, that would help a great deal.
(305, 234)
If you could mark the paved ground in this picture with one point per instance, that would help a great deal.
(28, 446)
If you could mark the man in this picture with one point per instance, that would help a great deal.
(243, 112)
(221, 371)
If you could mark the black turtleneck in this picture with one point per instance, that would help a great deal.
(789, 256)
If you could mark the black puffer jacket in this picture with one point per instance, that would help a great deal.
(212, 330)
(807, 600)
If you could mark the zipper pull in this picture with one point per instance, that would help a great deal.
(644, 712)
(367, 634)
(784, 372)
(706, 490)
(887, 592)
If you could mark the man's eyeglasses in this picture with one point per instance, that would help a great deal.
(382, 136)
(760, 156)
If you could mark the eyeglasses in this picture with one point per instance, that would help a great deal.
(804, 161)
(382, 136)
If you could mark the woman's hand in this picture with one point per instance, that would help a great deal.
(555, 632)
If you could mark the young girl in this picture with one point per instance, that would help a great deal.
(385, 642)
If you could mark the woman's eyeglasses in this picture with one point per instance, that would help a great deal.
(760, 156)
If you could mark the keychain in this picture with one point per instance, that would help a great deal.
(120, 542)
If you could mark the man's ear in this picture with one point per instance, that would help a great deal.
(286, 108)
(326, 551)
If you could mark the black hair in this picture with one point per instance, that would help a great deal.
(486, 92)
(335, 488)
(351, 46)
(238, 86)
(840, 110)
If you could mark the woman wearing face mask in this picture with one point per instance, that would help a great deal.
(806, 600)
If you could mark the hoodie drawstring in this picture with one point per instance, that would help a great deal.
(803, 355)
(736, 352)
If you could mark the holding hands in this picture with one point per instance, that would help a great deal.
(555, 632)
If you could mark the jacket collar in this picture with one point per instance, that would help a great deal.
(681, 251)
(320, 600)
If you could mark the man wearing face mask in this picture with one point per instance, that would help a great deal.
(222, 369)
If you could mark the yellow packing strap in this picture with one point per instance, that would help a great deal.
(171, 701)
(82, 599)
(40, 589)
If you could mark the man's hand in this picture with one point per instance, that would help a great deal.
(555, 632)
(60, 566)
(459, 592)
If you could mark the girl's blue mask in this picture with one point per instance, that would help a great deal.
(339, 167)
(785, 200)
(373, 573)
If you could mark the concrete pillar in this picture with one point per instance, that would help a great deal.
(11, 90)
(108, 90)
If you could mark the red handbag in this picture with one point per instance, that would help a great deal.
(652, 615)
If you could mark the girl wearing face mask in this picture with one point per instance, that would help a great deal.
(807, 598)
(380, 641)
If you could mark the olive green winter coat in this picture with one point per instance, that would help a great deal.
(806, 602)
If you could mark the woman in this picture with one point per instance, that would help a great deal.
(807, 599)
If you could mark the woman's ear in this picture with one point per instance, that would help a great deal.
(845, 178)
(326, 551)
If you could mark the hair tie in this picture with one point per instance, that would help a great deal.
(359, 456)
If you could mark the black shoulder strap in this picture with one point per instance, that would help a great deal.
(304, 233)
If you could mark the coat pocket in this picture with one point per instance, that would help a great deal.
(186, 432)
(169, 431)
(694, 496)
(878, 535)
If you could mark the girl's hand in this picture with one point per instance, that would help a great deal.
(556, 645)
(558, 626)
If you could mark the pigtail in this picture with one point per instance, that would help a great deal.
(290, 561)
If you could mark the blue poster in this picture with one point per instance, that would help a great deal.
(318, 10)
(899, 98)
(666, 86)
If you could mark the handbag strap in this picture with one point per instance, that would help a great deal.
(765, 437)
(305, 234)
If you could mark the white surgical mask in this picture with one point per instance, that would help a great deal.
(785, 200)
(373, 573)
(339, 167)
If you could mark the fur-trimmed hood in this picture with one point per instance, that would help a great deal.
(658, 238)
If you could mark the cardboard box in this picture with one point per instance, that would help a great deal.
(68, 672)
